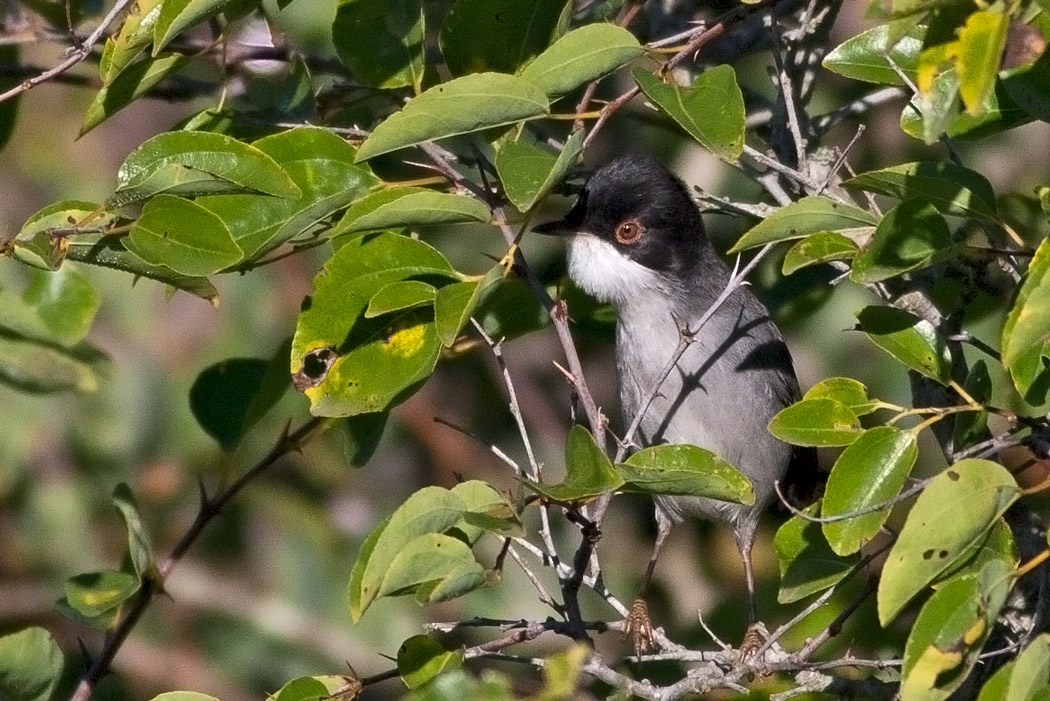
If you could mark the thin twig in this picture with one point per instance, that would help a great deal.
(76, 54)
(208, 510)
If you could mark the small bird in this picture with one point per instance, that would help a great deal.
(638, 242)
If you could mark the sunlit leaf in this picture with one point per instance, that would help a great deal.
(807, 563)
(911, 340)
(582, 55)
(910, 236)
(182, 235)
(1026, 333)
(810, 215)
(819, 422)
(685, 470)
(820, 247)
(421, 658)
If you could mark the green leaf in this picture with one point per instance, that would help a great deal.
(980, 50)
(191, 163)
(1031, 670)
(820, 247)
(94, 593)
(302, 689)
(184, 236)
(36, 244)
(912, 235)
(134, 36)
(685, 470)
(847, 391)
(178, 15)
(999, 113)
(409, 207)
(130, 84)
(30, 665)
(31, 365)
(995, 688)
(350, 365)
(361, 436)
(528, 171)
(486, 511)
(934, 537)
(816, 422)
(1029, 88)
(561, 673)
(711, 110)
(460, 106)
(998, 545)
(1026, 332)
(864, 56)
(455, 303)
(511, 310)
(588, 472)
(64, 302)
(322, 166)
(421, 658)
(810, 215)
(972, 426)
(433, 567)
(430, 510)
(140, 549)
(582, 55)
(381, 41)
(807, 562)
(183, 696)
(911, 340)
(949, 633)
(952, 189)
(108, 251)
(404, 294)
(498, 35)
(872, 470)
(229, 397)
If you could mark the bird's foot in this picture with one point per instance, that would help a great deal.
(754, 638)
(639, 628)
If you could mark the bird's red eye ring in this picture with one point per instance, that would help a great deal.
(629, 231)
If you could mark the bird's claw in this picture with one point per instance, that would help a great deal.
(639, 628)
(754, 639)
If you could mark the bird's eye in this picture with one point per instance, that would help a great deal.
(629, 231)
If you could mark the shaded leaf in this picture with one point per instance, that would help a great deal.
(582, 55)
(433, 567)
(820, 247)
(31, 365)
(498, 35)
(381, 41)
(421, 658)
(455, 303)
(912, 235)
(227, 398)
(178, 15)
(396, 296)
(140, 549)
(911, 340)
(870, 471)
(807, 563)
(528, 171)
(37, 244)
(810, 215)
(588, 472)
(934, 537)
(64, 302)
(460, 106)
(95, 593)
(952, 189)
(361, 436)
(711, 110)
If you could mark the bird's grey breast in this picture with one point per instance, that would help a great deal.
(730, 382)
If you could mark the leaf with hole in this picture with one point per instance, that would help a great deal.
(934, 538)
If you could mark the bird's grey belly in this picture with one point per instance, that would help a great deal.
(716, 398)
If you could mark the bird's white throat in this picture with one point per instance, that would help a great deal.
(608, 275)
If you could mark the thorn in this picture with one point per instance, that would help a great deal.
(202, 492)
(88, 660)
(569, 377)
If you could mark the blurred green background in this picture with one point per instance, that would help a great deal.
(261, 598)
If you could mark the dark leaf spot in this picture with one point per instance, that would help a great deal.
(926, 555)
(953, 475)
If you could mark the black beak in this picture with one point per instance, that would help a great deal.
(562, 227)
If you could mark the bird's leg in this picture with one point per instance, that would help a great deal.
(639, 626)
(753, 638)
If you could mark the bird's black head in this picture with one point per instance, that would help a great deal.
(639, 208)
